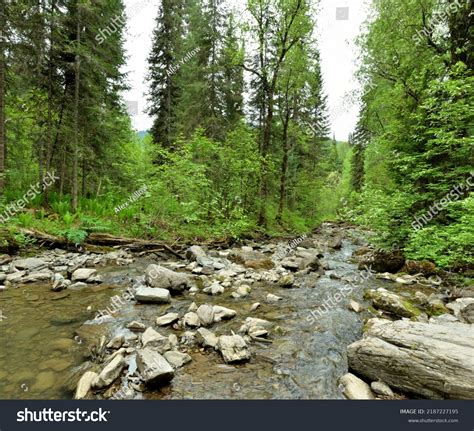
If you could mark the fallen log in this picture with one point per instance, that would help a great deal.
(100, 239)
(429, 359)
(45, 238)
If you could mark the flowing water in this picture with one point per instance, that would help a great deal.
(43, 337)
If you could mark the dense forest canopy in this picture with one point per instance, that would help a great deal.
(240, 142)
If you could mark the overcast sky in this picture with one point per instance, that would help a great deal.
(338, 25)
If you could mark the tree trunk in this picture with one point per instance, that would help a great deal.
(49, 144)
(76, 114)
(3, 144)
(284, 169)
(267, 134)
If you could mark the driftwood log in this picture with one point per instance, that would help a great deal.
(101, 239)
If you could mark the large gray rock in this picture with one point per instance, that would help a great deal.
(467, 313)
(233, 348)
(191, 319)
(153, 368)
(253, 326)
(110, 372)
(251, 259)
(381, 388)
(177, 359)
(167, 319)
(222, 313)
(153, 339)
(194, 252)
(164, 278)
(392, 303)
(36, 276)
(355, 388)
(429, 359)
(382, 260)
(83, 274)
(206, 338)
(30, 263)
(154, 295)
(205, 313)
(15, 277)
(85, 384)
(458, 306)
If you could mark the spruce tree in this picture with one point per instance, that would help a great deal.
(162, 61)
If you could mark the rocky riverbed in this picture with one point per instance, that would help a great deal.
(313, 320)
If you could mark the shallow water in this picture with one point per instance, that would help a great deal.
(40, 345)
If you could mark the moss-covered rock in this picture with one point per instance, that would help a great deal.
(387, 301)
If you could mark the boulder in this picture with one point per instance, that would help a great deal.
(381, 388)
(83, 274)
(355, 388)
(167, 319)
(233, 348)
(214, 289)
(205, 314)
(59, 282)
(273, 298)
(136, 326)
(286, 280)
(177, 359)
(153, 367)
(335, 243)
(193, 252)
(254, 306)
(153, 295)
(30, 263)
(78, 285)
(291, 263)
(206, 338)
(191, 319)
(382, 261)
(36, 276)
(15, 277)
(251, 259)
(222, 313)
(252, 322)
(302, 261)
(424, 267)
(391, 303)
(110, 372)
(164, 278)
(116, 342)
(242, 291)
(256, 328)
(467, 313)
(84, 385)
(153, 339)
(458, 306)
(355, 306)
(188, 338)
(433, 360)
